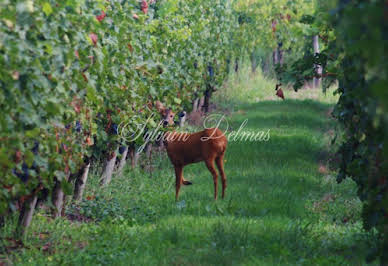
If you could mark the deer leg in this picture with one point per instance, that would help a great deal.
(210, 166)
(178, 180)
(186, 182)
(220, 166)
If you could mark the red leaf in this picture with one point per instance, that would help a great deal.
(85, 77)
(15, 75)
(94, 38)
(22, 199)
(288, 17)
(144, 6)
(101, 16)
(67, 169)
(89, 141)
(66, 148)
(280, 94)
(77, 103)
(9, 188)
(274, 23)
(91, 197)
(76, 54)
(130, 47)
(18, 156)
(111, 155)
(43, 235)
(91, 59)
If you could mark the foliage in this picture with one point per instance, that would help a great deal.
(74, 72)
(355, 33)
(362, 109)
(269, 24)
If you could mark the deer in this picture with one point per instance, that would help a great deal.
(207, 146)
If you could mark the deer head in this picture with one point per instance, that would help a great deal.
(166, 113)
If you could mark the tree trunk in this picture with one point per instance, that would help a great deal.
(278, 56)
(195, 105)
(65, 198)
(280, 53)
(182, 120)
(106, 176)
(318, 68)
(80, 183)
(275, 57)
(236, 65)
(201, 103)
(26, 213)
(253, 62)
(58, 199)
(208, 94)
(137, 157)
(123, 161)
(281, 56)
(228, 65)
(266, 64)
(132, 156)
(148, 152)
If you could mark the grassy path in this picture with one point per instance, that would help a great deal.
(281, 206)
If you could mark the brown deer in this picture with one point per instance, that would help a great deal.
(208, 145)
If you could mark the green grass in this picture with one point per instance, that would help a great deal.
(280, 209)
(245, 87)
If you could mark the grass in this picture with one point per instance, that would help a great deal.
(283, 205)
(245, 87)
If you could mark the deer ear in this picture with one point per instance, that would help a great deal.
(160, 107)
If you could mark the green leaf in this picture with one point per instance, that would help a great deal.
(67, 187)
(33, 133)
(47, 9)
(60, 175)
(177, 100)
